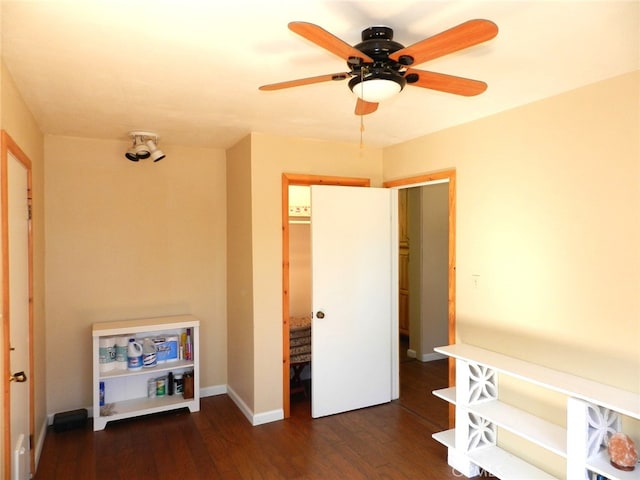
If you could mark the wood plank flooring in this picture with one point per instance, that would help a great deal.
(390, 441)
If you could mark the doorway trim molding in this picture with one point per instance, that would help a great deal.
(450, 177)
(298, 179)
(8, 145)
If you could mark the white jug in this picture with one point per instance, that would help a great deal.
(134, 355)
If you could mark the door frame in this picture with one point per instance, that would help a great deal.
(298, 179)
(416, 181)
(8, 145)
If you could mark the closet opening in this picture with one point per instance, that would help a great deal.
(296, 297)
(297, 372)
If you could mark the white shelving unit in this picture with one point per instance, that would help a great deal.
(126, 390)
(594, 411)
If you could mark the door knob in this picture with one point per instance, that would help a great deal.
(320, 314)
(18, 377)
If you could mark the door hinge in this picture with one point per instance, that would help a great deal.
(30, 441)
(29, 211)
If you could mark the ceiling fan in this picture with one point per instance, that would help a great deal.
(380, 67)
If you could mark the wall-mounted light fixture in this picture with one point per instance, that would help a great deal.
(144, 146)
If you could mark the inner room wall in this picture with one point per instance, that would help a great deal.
(300, 269)
(547, 202)
(299, 250)
(19, 123)
(434, 291)
(130, 240)
(271, 157)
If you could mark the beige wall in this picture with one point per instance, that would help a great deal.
(428, 214)
(300, 269)
(548, 198)
(130, 240)
(240, 283)
(270, 157)
(17, 121)
(434, 296)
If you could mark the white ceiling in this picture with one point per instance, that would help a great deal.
(190, 70)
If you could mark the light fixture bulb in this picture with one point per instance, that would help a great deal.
(131, 154)
(155, 153)
(377, 86)
(141, 149)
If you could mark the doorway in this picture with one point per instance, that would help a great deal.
(287, 181)
(423, 279)
(448, 177)
(17, 310)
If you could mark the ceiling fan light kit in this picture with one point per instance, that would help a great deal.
(144, 146)
(376, 87)
(380, 67)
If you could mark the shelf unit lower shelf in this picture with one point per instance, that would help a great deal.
(504, 465)
(143, 406)
(495, 460)
(600, 464)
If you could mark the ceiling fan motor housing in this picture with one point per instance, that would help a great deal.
(377, 43)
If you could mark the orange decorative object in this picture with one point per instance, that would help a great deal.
(622, 452)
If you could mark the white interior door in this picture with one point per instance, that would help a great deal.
(352, 286)
(18, 230)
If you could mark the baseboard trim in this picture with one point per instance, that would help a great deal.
(244, 408)
(40, 444)
(268, 417)
(213, 391)
(430, 357)
(254, 419)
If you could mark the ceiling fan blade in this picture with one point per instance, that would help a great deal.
(328, 41)
(447, 83)
(365, 108)
(457, 38)
(305, 81)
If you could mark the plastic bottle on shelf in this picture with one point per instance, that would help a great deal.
(149, 356)
(134, 355)
(188, 346)
(183, 349)
(170, 385)
(177, 380)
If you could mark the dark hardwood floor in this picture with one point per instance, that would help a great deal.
(390, 441)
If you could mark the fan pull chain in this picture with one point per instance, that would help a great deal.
(361, 116)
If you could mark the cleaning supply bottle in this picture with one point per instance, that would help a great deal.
(189, 346)
(170, 384)
(134, 355)
(149, 356)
